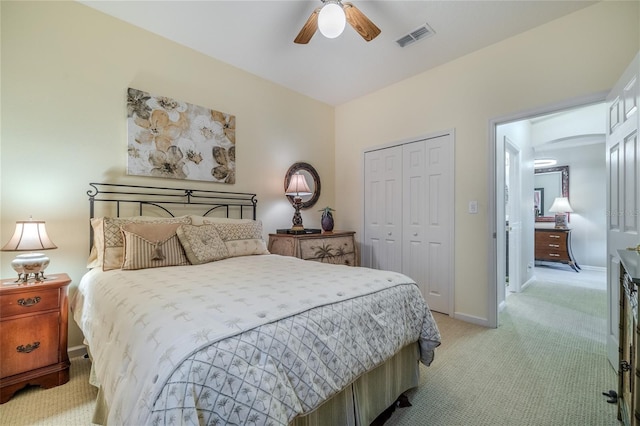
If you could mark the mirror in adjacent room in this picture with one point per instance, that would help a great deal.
(313, 181)
(549, 183)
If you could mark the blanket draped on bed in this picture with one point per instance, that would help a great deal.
(246, 340)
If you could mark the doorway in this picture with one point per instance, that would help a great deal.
(515, 137)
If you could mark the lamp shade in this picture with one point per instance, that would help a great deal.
(298, 186)
(561, 205)
(29, 235)
(331, 20)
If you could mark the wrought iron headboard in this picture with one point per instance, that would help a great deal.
(168, 199)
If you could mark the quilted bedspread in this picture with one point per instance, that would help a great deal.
(246, 340)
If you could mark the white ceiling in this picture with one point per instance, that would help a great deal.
(257, 36)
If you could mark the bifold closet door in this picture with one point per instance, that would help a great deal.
(426, 218)
(408, 202)
(382, 248)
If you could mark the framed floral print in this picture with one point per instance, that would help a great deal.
(172, 139)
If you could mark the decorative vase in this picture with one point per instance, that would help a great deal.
(327, 221)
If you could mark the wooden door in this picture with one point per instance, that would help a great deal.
(381, 248)
(623, 189)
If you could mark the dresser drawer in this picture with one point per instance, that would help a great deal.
(29, 343)
(28, 302)
(337, 250)
(552, 252)
(337, 247)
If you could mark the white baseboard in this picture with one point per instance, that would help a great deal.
(472, 319)
(77, 351)
(593, 268)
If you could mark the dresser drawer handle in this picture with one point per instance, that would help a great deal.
(554, 254)
(554, 245)
(554, 236)
(29, 301)
(28, 348)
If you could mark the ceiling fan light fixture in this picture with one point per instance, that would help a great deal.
(331, 20)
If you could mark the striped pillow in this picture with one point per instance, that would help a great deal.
(152, 245)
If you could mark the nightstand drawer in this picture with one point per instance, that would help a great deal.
(29, 343)
(29, 301)
(339, 250)
(337, 247)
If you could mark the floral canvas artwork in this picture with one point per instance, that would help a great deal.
(173, 139)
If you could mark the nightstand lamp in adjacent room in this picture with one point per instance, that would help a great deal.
(30, 235)
(297, 187)
(561, 207)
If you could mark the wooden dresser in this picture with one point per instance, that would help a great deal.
(554, 245)
(337, 247)
(33, 333)
(628, 372)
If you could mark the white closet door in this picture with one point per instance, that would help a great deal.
(427, 218)
(381, 248)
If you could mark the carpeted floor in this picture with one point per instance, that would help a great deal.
(544, 365)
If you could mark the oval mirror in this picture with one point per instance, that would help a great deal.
(313, 180)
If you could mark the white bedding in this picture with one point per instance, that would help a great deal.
(157, 334)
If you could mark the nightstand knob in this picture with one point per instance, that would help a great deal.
(389, 233)
(28, 348)
(29, 301)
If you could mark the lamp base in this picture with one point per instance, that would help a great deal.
(30, 266)
(297, 217)
(561, 221)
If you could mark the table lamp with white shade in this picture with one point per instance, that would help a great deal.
(30, 235)
(297, 187)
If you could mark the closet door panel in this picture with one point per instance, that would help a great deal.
(436, 284)
(383, 209)
(415, 192)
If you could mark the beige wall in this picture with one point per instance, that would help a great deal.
(578, 55)
(65, 71)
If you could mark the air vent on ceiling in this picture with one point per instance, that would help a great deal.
(419, 33)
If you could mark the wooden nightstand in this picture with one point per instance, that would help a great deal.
(337, 247)
(33, 334)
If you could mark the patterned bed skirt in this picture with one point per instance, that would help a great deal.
(356, 405)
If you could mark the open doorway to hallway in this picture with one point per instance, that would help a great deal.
(573, 137)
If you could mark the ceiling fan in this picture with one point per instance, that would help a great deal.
(330, 19)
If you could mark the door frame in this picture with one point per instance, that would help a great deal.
(515, 207)
(496, 185)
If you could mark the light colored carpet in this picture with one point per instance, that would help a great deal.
(544, 365)
(68, 405)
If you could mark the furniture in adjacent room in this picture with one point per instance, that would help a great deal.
(628, 373)
(33, 333)
(337, 247)
(554, 245)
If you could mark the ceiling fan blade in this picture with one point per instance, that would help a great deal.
(360, 23)
(309, 28)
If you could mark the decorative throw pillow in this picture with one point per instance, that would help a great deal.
(107, 251)
(242, 239)
(202, 244)
(209, 220)
(152, 245)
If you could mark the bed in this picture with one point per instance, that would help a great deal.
(188, 319)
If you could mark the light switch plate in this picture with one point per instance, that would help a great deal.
(473, 207)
